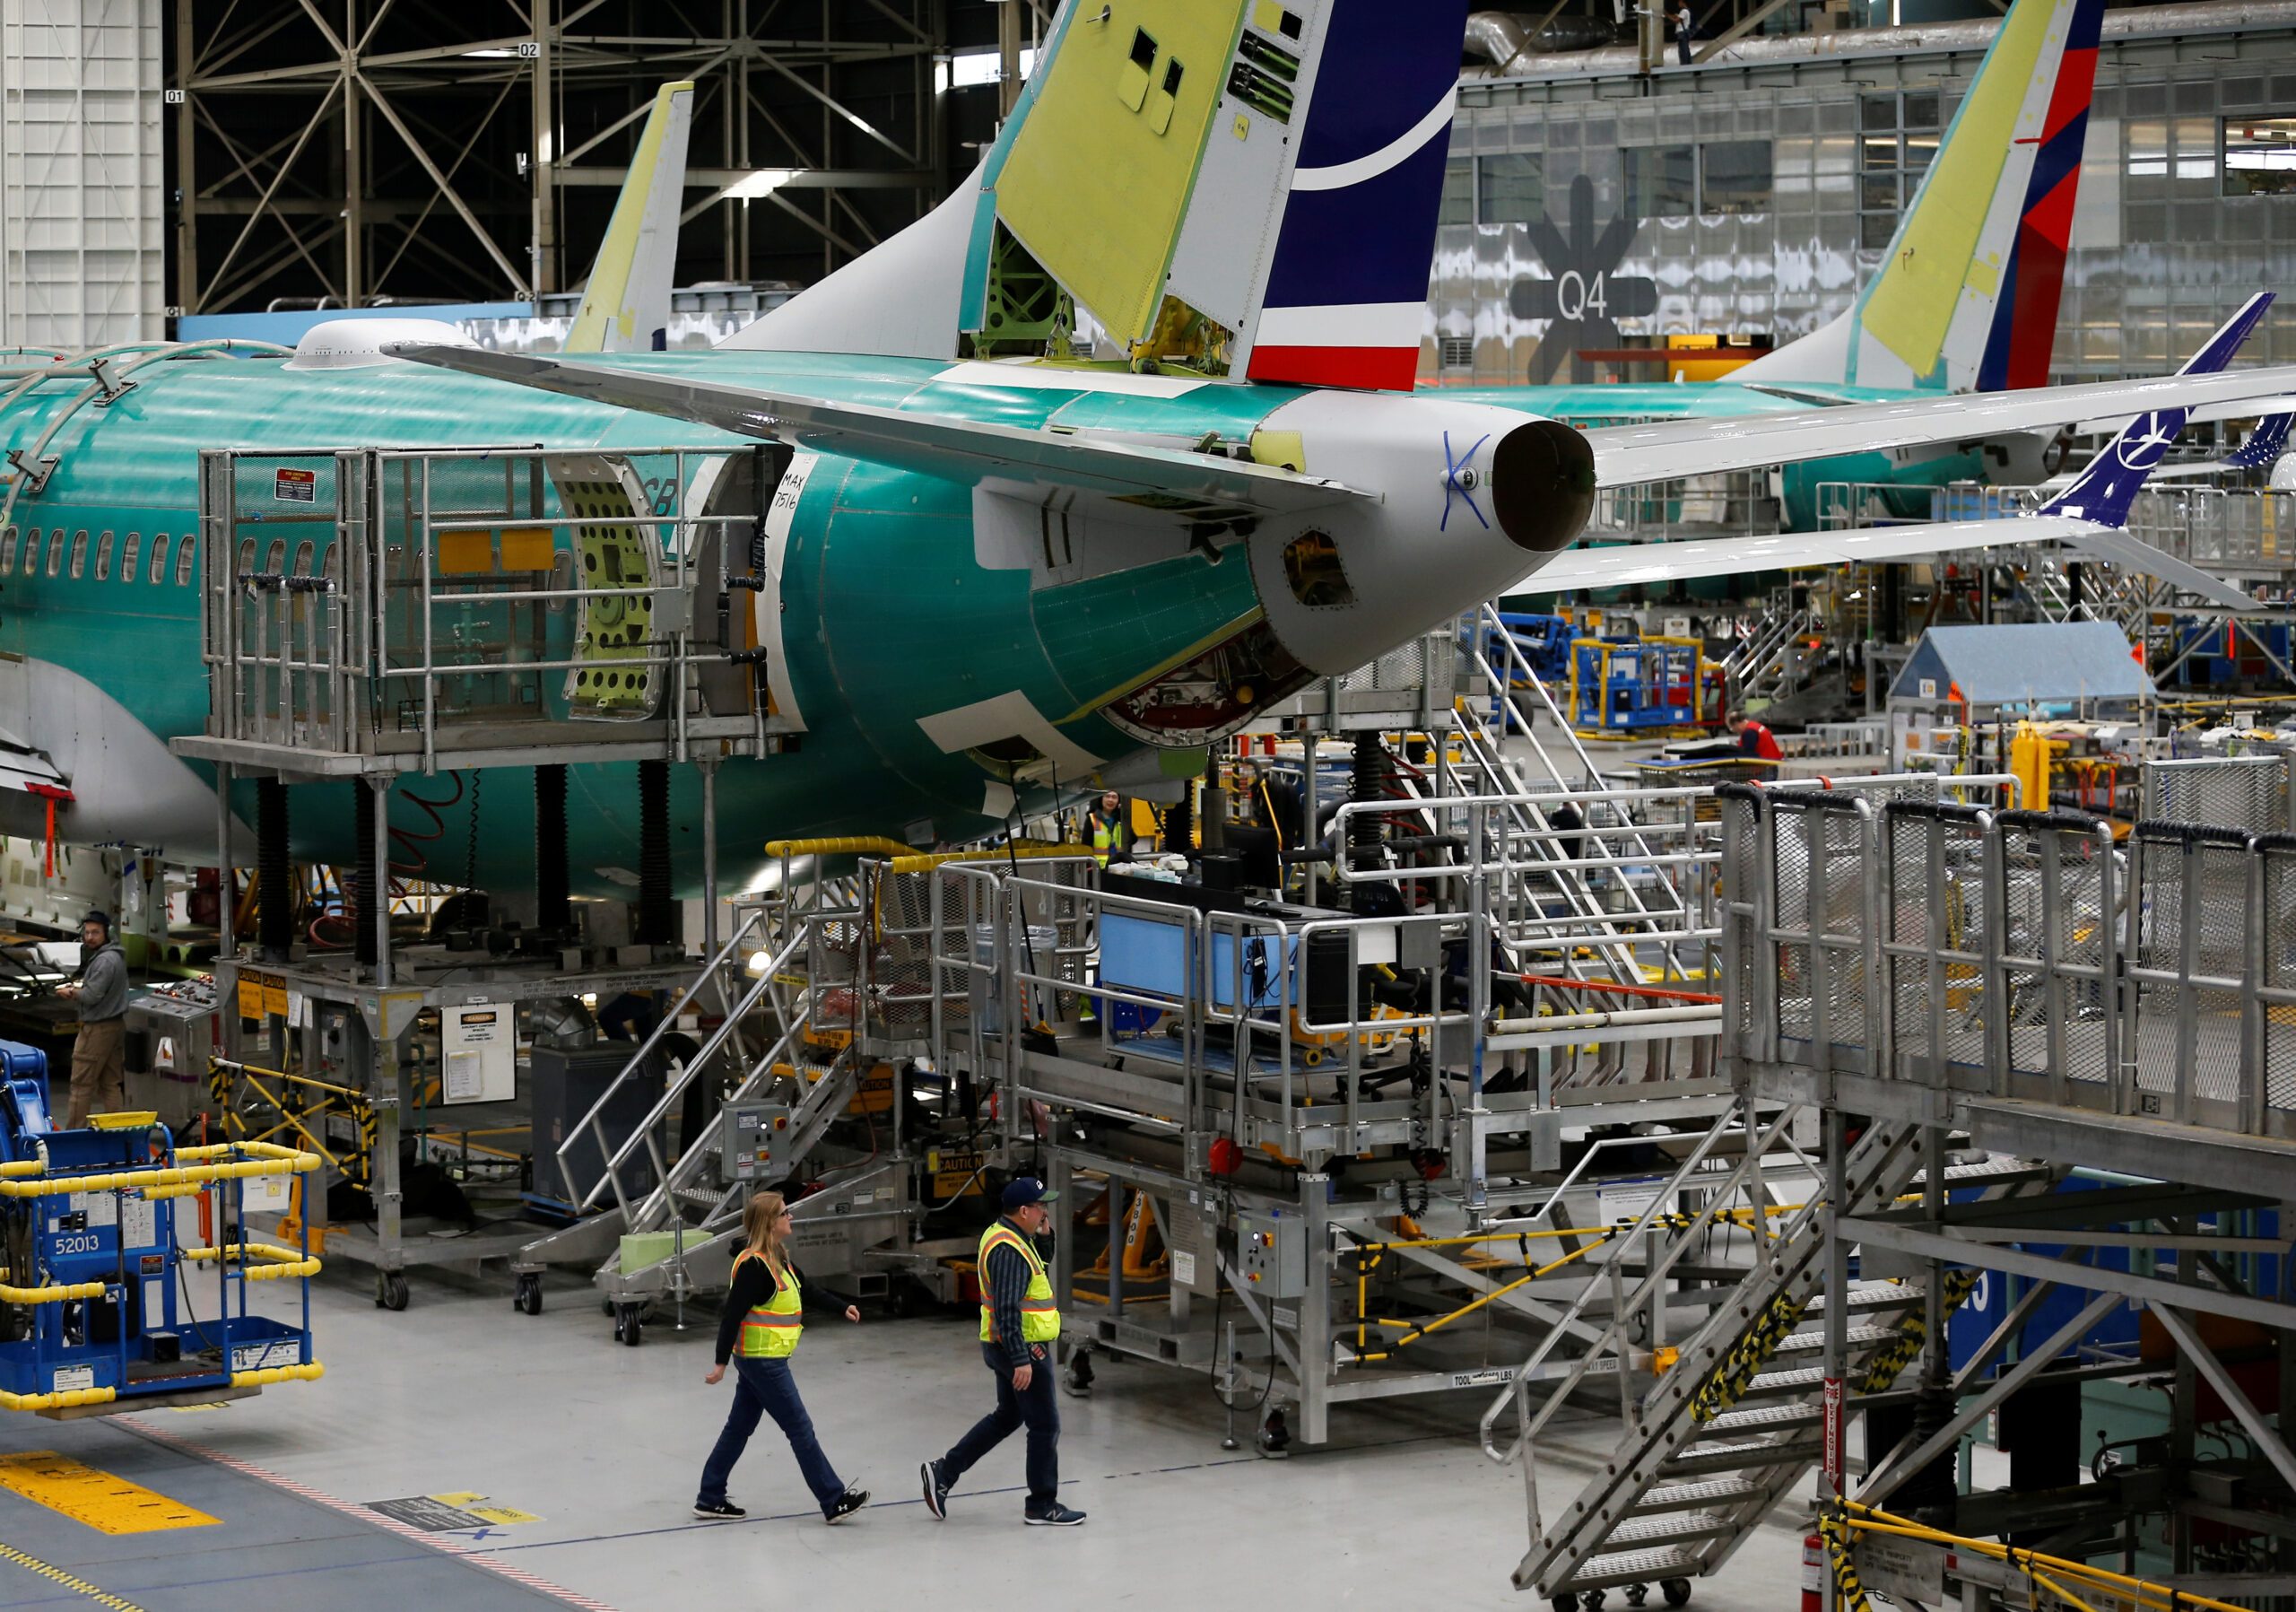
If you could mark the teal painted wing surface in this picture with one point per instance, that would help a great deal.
(965, 451)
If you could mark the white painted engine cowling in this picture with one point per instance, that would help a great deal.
(1469, 497)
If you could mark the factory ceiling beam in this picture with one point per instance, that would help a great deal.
(519, 285)
(503, 113)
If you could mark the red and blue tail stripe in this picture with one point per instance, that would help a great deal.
(2024, 320)
(1346, 297)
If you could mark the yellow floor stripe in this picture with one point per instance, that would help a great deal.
(102, 1597)
(109, 1504)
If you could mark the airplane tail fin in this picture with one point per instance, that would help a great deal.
(2103, 491)
(1246, 188)
(626, 306)
(1968, 294)
(1284, 171)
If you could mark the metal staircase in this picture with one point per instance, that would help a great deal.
(1762, 664)
(1535, 870)
(769, 954)
(1735, 1422)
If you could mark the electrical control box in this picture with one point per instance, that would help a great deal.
(752, 1142)
(1272, 1253)
(478, 1045)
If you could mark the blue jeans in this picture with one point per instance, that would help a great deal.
(1036, 1405)
(763, 1387)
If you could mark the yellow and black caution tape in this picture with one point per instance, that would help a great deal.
(1848, 1594)
(102, 1597)
(1752, 1352)
(1904, 1345)
(2044, 1572)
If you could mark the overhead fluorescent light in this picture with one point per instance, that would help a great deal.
(765, 182)
(974, 69)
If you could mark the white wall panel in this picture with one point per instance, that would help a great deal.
(82, 243)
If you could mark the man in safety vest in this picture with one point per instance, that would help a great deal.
(1019, 1324)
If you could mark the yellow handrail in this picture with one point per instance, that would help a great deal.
(65, 1400)
(1023, 850)
(279, 1373)
(264, 1261)
(848, 845)
(270, 1160)
(51, 1294)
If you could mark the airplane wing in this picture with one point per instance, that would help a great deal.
(1666, 449)
(964, 451)
(1625, 565)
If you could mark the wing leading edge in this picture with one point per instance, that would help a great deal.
(1667, 449)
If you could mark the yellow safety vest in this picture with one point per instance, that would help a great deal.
(1039, 1317)
(771, 1330)
(1105, 832)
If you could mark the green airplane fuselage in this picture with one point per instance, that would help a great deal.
(886, 616)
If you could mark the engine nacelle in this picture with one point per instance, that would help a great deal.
(1466, 493)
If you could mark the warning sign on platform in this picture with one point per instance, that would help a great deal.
(296, 486)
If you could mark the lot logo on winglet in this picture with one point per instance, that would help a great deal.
(2103, 492)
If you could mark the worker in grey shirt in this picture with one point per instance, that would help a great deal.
(99, 1051)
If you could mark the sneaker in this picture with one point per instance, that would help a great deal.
(937, 1493)
(1055, 1515)
(724, 1511)
(845, 1505)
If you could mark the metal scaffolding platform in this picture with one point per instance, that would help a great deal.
(2039, 1059)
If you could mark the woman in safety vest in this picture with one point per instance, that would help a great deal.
(763, 1315)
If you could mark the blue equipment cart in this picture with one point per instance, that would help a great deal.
(102, 1308)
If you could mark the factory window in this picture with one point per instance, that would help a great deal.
(247, 556)
(32, 549)
(1734, 177)
(303, 558)
(275, 561)
(56, 550)
(159, 558)
(103, 559)
(1513, 189)
(8, 551)
(1458, 191)
(79, 554)
(2260, 158)
(1662, 181)
(1897, 138)
(187, 555)
(129, 554)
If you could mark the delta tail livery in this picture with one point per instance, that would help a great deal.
(1000, 562)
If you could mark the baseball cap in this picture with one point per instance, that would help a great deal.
(1023, 1190)
(99, 917)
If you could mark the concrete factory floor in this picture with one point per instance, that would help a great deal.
(540, 1448)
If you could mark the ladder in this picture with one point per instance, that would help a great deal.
(1699, 1464)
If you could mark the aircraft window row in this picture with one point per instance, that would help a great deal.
(130, 553)
(25, 542)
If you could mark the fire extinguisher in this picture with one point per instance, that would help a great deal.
(1814, 1572)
